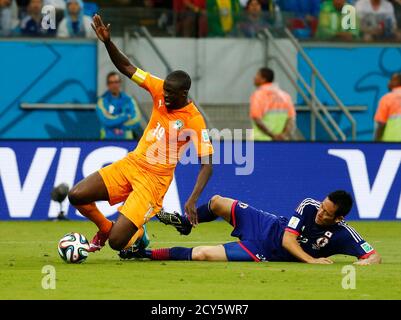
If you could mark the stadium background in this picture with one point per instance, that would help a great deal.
(49, 134)
(52, 94)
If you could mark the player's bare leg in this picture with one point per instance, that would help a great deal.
(221, 207)
(217, 206)
(83, 196)
(201, 253)
(209, 253)
(123, 234)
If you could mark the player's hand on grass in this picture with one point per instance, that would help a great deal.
(321, 261)
(102, 32)
(363, 262)
(190, 209)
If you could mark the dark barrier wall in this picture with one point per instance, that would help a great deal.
(282, 175)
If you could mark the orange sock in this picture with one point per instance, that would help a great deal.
(135, 237)
(91, 212)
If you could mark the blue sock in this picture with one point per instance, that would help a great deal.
(176, 253)
(205, 214)
(179, 253)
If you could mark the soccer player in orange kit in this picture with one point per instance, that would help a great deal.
(142, 178)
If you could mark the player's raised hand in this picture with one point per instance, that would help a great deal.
(190, 209)
(102, 31)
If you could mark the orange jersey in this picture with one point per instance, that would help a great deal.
(269, 98)
(389, 106)
(168, 132)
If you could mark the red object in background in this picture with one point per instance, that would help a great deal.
(298, 23)
(199, 3)
(178, 5)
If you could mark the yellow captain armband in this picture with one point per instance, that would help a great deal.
(139, 76)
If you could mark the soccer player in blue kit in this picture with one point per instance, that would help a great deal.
(315, 232)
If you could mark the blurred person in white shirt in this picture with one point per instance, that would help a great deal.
(377, 20)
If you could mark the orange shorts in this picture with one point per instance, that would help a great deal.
(142, 191)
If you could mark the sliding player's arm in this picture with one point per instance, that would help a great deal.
(117, 57)
(291, 244)
(374, 258)
(351, 243)
(294, 229)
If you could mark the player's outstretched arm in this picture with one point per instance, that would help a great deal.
(117, 57)
(203, 177)
(291, 244)
(372, 259)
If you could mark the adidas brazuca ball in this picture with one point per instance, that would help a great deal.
(73, 248)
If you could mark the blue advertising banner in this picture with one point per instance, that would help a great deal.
(359, 75)
(274, 177)
(48, 71)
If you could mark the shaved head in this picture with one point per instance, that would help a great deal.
(180, 80)
(176, 88)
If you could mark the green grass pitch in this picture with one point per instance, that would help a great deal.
(25, 247)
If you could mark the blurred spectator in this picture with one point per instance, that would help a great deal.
(179, 16)
(305, 16)
(388, 115)
(118, 113)
(31, 25)
(267, 5)
(22, 7)
(330, 22)
(8, 17)
(75, 23)
(194, 19)
(397, 10)
(272, 110)
(222, 16)
(167, 4)
(58, 4)
(377, 19)
(253, 21)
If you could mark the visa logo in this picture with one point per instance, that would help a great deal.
(22, 196)
(370, 198)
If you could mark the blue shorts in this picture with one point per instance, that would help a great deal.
(258, 231)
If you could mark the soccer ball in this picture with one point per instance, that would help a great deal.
(73, 248)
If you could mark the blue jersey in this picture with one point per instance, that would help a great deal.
(261, 234)
(324, 241)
